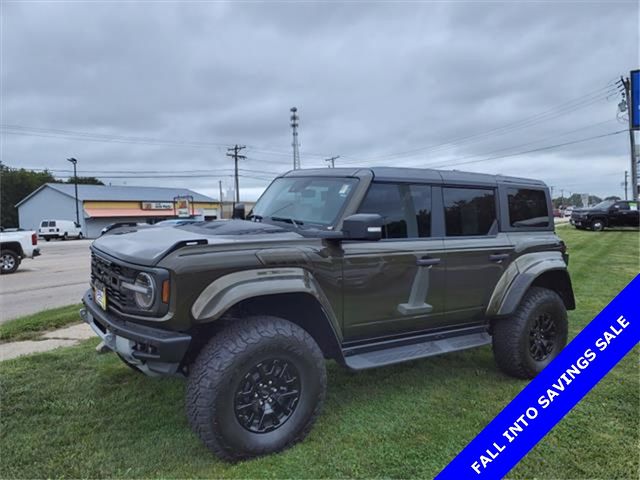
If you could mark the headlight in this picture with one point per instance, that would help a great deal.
(145, 294)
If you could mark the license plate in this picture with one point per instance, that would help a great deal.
(100, 296)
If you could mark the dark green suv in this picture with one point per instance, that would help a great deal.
(368, 267)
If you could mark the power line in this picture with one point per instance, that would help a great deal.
(563, 134)
(555, 112)
(548, 147)
(109, 138)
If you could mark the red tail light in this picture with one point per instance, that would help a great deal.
(34, 239)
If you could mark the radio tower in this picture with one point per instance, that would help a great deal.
(294, 144)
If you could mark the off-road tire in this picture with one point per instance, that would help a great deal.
(216, 374)
(65, 236)
(597, 225)
(47, 239)
(511, 335)
(13, 258)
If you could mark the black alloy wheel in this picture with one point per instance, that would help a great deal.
(267, 395)
(542, 337)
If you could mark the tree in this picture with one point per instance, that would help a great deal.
(615, 198)
(16, 184)
(86, 181)
(575, 200)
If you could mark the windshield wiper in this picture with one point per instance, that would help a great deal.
(295, 223)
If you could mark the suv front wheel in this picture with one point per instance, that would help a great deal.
(527, 341)
(256, 388)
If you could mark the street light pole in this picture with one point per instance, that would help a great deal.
(75, 184)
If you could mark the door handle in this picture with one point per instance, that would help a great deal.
(498, 257)
(426, 261)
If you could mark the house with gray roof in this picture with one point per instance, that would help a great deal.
(101, 205)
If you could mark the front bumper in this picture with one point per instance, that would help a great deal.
(153, 351)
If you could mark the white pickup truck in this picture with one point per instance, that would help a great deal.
(15, 246)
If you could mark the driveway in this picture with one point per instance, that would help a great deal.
(57, 278)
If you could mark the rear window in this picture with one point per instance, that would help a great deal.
(527, 208)
(469, 211)
(52, 223)
(44, 224)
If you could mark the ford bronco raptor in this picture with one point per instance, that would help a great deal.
(368, 267)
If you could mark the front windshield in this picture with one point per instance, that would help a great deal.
(315, 201)
(604, 205)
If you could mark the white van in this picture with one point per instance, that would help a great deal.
(63, 229)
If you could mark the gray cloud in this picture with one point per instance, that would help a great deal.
(370, 80)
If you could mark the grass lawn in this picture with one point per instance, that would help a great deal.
(31, 326)
(71, 413)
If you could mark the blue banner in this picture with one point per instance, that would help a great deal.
(555, 391)
(634, 109)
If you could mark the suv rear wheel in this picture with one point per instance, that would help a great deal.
(527, 341)
(256, 388)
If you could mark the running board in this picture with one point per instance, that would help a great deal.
(392, 354)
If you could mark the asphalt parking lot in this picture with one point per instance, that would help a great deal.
(56, 278)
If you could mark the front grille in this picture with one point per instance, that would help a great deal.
(111, 275)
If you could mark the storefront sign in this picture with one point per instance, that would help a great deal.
(156, 205)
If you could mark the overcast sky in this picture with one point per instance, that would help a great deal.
(164, 87)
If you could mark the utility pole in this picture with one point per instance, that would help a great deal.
(221, 203)
(75, 184)
(626, 82)
(234, 152)
(562, 197)
(626, 184)
(294, 144)
(332, 161)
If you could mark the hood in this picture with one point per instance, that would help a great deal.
(588, 210)
(146, 245)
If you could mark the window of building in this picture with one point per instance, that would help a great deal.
(527, 208)
(469, 211)
(406, 209)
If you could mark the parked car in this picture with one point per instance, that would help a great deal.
(174, 222)
(61, 229)
(113, 226)
(368, 267)
(16, 245)
(606, 214)
(567, 212)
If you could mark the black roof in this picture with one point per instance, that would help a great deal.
(449, 177)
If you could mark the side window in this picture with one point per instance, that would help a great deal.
(406, 209)
(386, 200)
(623, 206)
(469, 211)
(527, 208)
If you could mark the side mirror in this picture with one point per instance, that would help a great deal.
(362, 226)
(238, 211)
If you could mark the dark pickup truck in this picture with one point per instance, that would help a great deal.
(607, 214)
